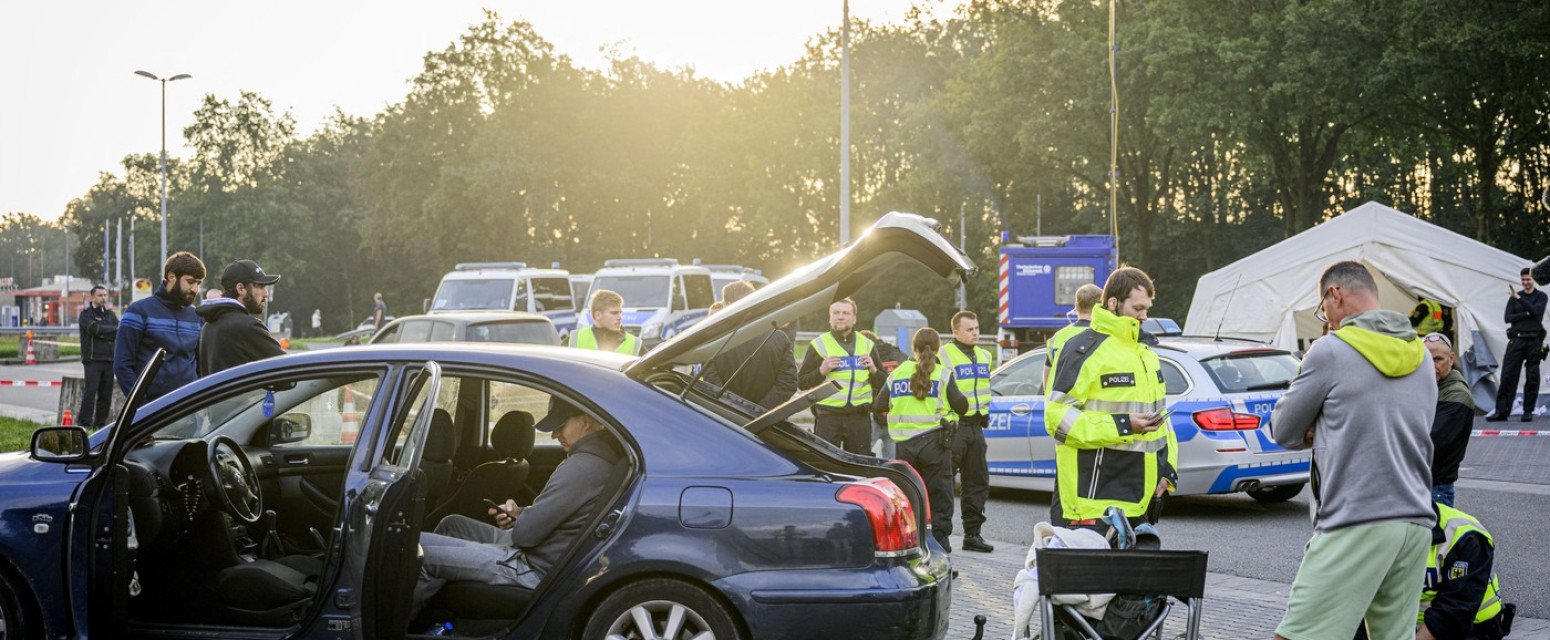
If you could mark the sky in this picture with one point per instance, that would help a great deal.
(72, 107)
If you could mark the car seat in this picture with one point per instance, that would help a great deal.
(440, 446)
(506, 477)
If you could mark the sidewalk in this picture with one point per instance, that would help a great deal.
(1235, 608)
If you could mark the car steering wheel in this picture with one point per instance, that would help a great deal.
(235, 482)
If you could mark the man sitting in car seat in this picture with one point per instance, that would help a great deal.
(525, 543)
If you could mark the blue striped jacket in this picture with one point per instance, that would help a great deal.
(151, 323)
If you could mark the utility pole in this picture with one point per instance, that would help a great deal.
(845, 127)
(963, 288)
(1113, 134)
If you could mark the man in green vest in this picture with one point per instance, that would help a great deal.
(844, 356)
(1113, 445)
(1087, 297)
(971, 368)
(607, 331)
(1461, 596)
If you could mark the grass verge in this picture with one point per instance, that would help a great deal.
(16, 435)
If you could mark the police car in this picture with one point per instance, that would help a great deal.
(507, 286)
(722, 275)
(661, 296)
(1221, 393)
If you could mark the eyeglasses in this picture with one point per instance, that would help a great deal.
(1319, 312)
(1437, 337)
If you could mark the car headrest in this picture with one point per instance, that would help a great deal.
(441, 440)
(512, 436)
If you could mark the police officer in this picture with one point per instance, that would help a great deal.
(607, 331)
(921, 398)
(1461, 598)
(1087, 297)
(1113, 446)
(1525, 336)
(971, 369)
(1429, 316)
(844, 356)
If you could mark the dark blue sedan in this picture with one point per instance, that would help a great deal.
(285, 498)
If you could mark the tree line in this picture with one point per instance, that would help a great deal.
(1240, 123)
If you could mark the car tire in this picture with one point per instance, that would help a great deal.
(14, 625)
(660, 600)
(1277, 493)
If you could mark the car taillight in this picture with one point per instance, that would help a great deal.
(1224, 419)
(889, 512)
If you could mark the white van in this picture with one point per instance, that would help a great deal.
(507, 286)
(723, 274)
(661, 297)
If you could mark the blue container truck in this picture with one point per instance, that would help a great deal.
(1038, 279)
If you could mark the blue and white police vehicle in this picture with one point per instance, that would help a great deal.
(507, 286)
(661, 296)
(722, 275)
(1221, 393)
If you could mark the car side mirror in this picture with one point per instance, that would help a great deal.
(290, 427)
(59, 444)
(425, 305)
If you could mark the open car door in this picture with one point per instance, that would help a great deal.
(385, 510)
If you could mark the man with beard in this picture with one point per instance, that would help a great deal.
(165, 320)
(232, 334)
(844, 356)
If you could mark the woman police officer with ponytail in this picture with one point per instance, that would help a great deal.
(919, 394)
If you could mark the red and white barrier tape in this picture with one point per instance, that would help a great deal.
(1505, 432)
(31, 383)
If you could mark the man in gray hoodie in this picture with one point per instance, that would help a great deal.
(1363, 401)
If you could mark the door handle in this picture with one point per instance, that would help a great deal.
(298, 459)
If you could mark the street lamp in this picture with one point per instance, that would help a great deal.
(163, 81)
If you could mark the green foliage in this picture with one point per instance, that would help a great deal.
(16, 435)
(1240, 122)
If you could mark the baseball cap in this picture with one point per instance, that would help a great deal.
(559, 412)
(244, 271)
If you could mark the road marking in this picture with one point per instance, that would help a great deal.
(31, 383)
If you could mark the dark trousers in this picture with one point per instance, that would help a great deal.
(974, 470)
(849, 431)
(933, 460)
(1522, 354)
(97, 397)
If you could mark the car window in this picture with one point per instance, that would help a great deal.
(1251, 370)
(414, 331)
(552, 294)
(389, 334)
(717, 282)
(441, 332)
(454, 295)
(677, 300)
(1174, 380)
(1023, 377)
(638, 291)
(333, 407)
(404, 441)
(506, 397)
(701, 295)
(520, 332)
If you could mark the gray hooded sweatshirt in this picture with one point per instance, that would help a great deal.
(1369, 395)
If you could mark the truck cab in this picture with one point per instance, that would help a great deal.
(507, 286)
(1038, 279)
(661, 296)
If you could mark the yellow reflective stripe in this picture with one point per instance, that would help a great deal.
(900, 435)
(1065, 398)
(895, 419)
(1110, 406)
(1141, 446)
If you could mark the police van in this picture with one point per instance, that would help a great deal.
(723, 274)
(661, 296)
(507, 286)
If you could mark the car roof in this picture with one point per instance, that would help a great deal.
(492, 272)
(652, 269)
(471, 317)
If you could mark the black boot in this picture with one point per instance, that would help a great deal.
(973, 542)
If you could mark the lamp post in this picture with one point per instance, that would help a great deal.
(163, 81)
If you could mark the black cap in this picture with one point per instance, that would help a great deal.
(245, 271)
(559, 412)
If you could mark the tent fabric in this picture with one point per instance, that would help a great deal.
(1271, 295)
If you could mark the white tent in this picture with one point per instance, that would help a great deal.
(1271, 295)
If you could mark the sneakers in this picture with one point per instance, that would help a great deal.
(976, 543)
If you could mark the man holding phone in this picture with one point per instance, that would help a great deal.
(1114, 447)
(523, 544)
(844, 356)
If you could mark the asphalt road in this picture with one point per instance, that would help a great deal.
(1266, 542)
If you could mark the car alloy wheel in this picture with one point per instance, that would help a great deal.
(663, 609)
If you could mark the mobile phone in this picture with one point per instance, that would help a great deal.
(500, 508)
(1162, 415)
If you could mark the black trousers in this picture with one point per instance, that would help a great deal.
(973, 469)
(1522, 354)
(97, 397)
(850, 431)
(933, 460)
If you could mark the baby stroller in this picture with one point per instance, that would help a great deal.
(1090, 590)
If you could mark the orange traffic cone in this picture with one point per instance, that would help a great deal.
(351, 427)
(32, 358)
(69, 420)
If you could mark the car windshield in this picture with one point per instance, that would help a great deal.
(1258, 370)
(638, 291)
(454, 295)
(521, 331)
